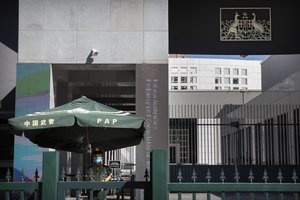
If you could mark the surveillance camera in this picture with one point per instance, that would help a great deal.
(94, 52)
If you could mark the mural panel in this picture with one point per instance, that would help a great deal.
(32, 94)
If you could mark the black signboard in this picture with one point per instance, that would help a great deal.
(114, 164)
(234, 27)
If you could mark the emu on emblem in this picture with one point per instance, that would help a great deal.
(245, 24)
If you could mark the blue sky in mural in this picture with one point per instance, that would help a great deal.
(27, 154)
(248, 57)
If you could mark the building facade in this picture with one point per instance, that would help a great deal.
(214, 74)
(238, 127)
(117, 52)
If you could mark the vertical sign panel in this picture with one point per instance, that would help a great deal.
(32, 94)
(152, 103)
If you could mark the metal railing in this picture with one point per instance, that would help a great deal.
(236, 188)
(162, 188)
(53, 189)
(251, 134)
(90, 187)
(19, 188)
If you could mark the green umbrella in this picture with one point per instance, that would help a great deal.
(76, 125)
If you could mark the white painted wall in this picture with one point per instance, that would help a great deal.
(64, 31)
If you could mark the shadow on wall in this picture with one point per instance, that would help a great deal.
(7, 105)
(9, 12)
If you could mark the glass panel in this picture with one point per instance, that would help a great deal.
(235, 81)
(183, 70)
(218, 80)
(235, 71)
(244, 81)
(193, 79)
(193, 70)
(183, 79)
(174, 79)
(227, 71)
(184, 87)
(226, 80)
(174, 70)
(217, 70)
(244, 72)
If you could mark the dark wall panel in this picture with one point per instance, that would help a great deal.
(9, 12)
(194, 28)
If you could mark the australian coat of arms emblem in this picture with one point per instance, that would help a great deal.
(245, 24)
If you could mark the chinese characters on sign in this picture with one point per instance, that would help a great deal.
(36, 122)
(47, 122)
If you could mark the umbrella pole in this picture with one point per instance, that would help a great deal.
(86, 159)
(86, 154)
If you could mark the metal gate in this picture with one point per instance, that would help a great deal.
(236, 134)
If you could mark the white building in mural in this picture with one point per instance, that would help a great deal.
(214, 74)
(195, 84)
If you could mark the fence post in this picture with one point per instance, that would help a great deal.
(159, 174)
(50, 175)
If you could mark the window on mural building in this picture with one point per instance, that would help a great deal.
(244, 72)
(244, 81)
(183, 79)
(193, 87)
(184, 87)
(174, 70)
(217, 80)
(235, 81)
(174, 87)
(183, 70)
(217, 70)
(226, 80)
(193, 70)
(174, 79)
(235, 71)
(193, 79)
(226, 71)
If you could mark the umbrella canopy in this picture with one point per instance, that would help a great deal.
(72, 126)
